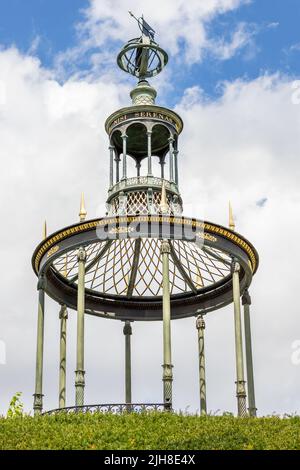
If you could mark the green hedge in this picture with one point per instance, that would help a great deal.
(148, 431)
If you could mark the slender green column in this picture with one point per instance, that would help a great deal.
(124, 137)
(79, 373)
(200, 325)
(240, 382)
(167, 365)
(63, 315)
(127, 332)
(171, 150)
(117, 160)
(176, 165)
(149, 134)
(111, 165)
(38, 395)
(246, 301)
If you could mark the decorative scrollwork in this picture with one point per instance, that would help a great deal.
(114, 408)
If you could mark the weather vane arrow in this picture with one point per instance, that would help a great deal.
(145, 28)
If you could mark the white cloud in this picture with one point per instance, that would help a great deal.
(176, 22)
(241, 37)
(243, 147)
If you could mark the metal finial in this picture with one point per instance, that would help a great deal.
(231, 218)
(83, 212)
(164, 207)
(45, 230)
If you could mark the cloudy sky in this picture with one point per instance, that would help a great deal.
(233, 76)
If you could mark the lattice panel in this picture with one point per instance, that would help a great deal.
(109, 267)
(67, 264)
(137, 203)
(200, 266)
(112, 272)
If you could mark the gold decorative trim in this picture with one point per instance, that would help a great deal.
(122, 116)
(204, 226)
(52, 251)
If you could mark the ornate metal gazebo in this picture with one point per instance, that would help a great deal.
(144, 261)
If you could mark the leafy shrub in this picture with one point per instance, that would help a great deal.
(163, 431)
(16, 407)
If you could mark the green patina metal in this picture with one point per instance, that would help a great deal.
(200, 325)
(63, 315)
(246, 301)
(144, 261)
(240, 381)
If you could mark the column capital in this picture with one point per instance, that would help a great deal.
(41, 284)
(246, 298)
(235, 266)
(165, 247)
(171, 139)
(200, 323)
(127, 330)
(79, 378)
(81, 256)
(63, 313)
(124, 136)
(111, 147)
(149, 132)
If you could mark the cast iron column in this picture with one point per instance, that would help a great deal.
(79, 373)
(127, 330)
(38, 395)
(111, 166)
(240, 382)
(149, 134)
(124, 137)
(171, 150)
(246, 301)
(176, 165)
(167, 365)
(117, 160)
(63, 315)
(200, 324)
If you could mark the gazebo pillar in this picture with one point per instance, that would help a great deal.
(63, 316)
(171, 156)
(149, 134)
(111, 165)
(167, 365)
(240, 382)
(200, 325)
(80, 372)
(124, 137)
(38, 394)
(176, 165)
(127, 330)
(246, 301)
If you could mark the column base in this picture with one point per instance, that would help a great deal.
(241, 398)
(38, 403)
(252, 412)
(167, 385)
(79, 387)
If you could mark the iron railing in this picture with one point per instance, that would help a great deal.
(115, 408)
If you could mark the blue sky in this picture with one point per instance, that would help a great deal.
(46, 28)
(240, 144)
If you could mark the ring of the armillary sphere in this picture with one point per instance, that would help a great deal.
(123, 268)
(157, 58)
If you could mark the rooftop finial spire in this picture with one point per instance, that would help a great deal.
(45, 230)
(231, 218)
(164, 207)
(82, 212)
